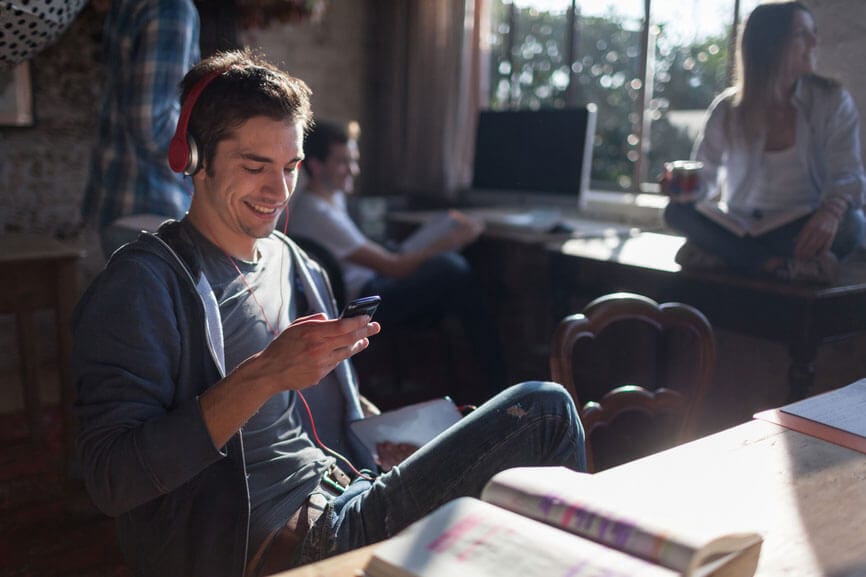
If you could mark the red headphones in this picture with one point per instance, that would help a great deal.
(182, 150)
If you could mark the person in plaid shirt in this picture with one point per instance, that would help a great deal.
(148, 47)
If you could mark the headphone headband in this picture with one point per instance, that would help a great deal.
(182, 150)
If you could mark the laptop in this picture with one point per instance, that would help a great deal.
(531, 171)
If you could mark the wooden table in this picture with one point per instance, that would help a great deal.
(801, 316)
(807, 498)
(41, 273)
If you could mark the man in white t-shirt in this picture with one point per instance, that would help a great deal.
(416, 287)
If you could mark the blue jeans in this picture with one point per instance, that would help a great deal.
(443, 285)
(530, 424)
(749, 253)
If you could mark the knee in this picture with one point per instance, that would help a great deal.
(552, 398)
(675, 213)
(542, 389)
(450, 271)
(549, 407)
(449, 263)
(850, 232)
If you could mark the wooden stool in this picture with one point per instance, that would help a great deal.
(40, 273)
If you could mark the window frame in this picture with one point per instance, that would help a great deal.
(640, 182)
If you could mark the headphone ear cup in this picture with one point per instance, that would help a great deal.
(193, 161)
(178, 153)
(183, 155)
(183, 150)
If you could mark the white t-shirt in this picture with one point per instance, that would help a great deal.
(783, 181)
(329, 224)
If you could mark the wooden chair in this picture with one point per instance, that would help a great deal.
(638, 372)
(329, 263)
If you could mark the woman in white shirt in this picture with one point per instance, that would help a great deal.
(783, 137)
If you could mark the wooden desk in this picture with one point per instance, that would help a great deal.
(803, 317)
(346, 565)
(535, 279)
(804, 495)
(41, 273)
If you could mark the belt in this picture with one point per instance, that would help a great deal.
(274, 555)
(335, 481)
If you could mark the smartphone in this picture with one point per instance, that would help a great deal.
(362, 306)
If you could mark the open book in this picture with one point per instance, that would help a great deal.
(435, 228)
(554, 522)
(751, 223)
(432, 230)
(835, 416)
(414, 424)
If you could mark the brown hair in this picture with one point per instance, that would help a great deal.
(248, 87)
(763, 47)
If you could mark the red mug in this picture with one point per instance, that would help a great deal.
(685, 177)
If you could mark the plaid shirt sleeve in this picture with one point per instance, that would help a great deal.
(149, 46)
(165, 34)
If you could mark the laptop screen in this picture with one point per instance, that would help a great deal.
(545, 152)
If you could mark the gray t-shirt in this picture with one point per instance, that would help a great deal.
(328, 406)
(282, 462)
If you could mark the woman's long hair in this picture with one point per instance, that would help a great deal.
(762, 56)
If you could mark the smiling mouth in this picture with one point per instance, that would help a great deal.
(264, 210)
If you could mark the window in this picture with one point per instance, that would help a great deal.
(651, 67)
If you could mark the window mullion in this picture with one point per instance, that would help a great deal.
(512, 26)
(732, 44)
(644, 98)
(571, 54)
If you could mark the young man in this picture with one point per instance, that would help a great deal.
(192, 349)
(417, 287)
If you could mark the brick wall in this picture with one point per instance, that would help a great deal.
(841, 49)
(329, 55)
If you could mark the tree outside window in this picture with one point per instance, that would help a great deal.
(650, 66)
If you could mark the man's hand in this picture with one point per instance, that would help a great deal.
(311, 347)
(817, 235)
(390, 454)
(468, 229)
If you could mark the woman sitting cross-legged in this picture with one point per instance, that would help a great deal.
(783, 137)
